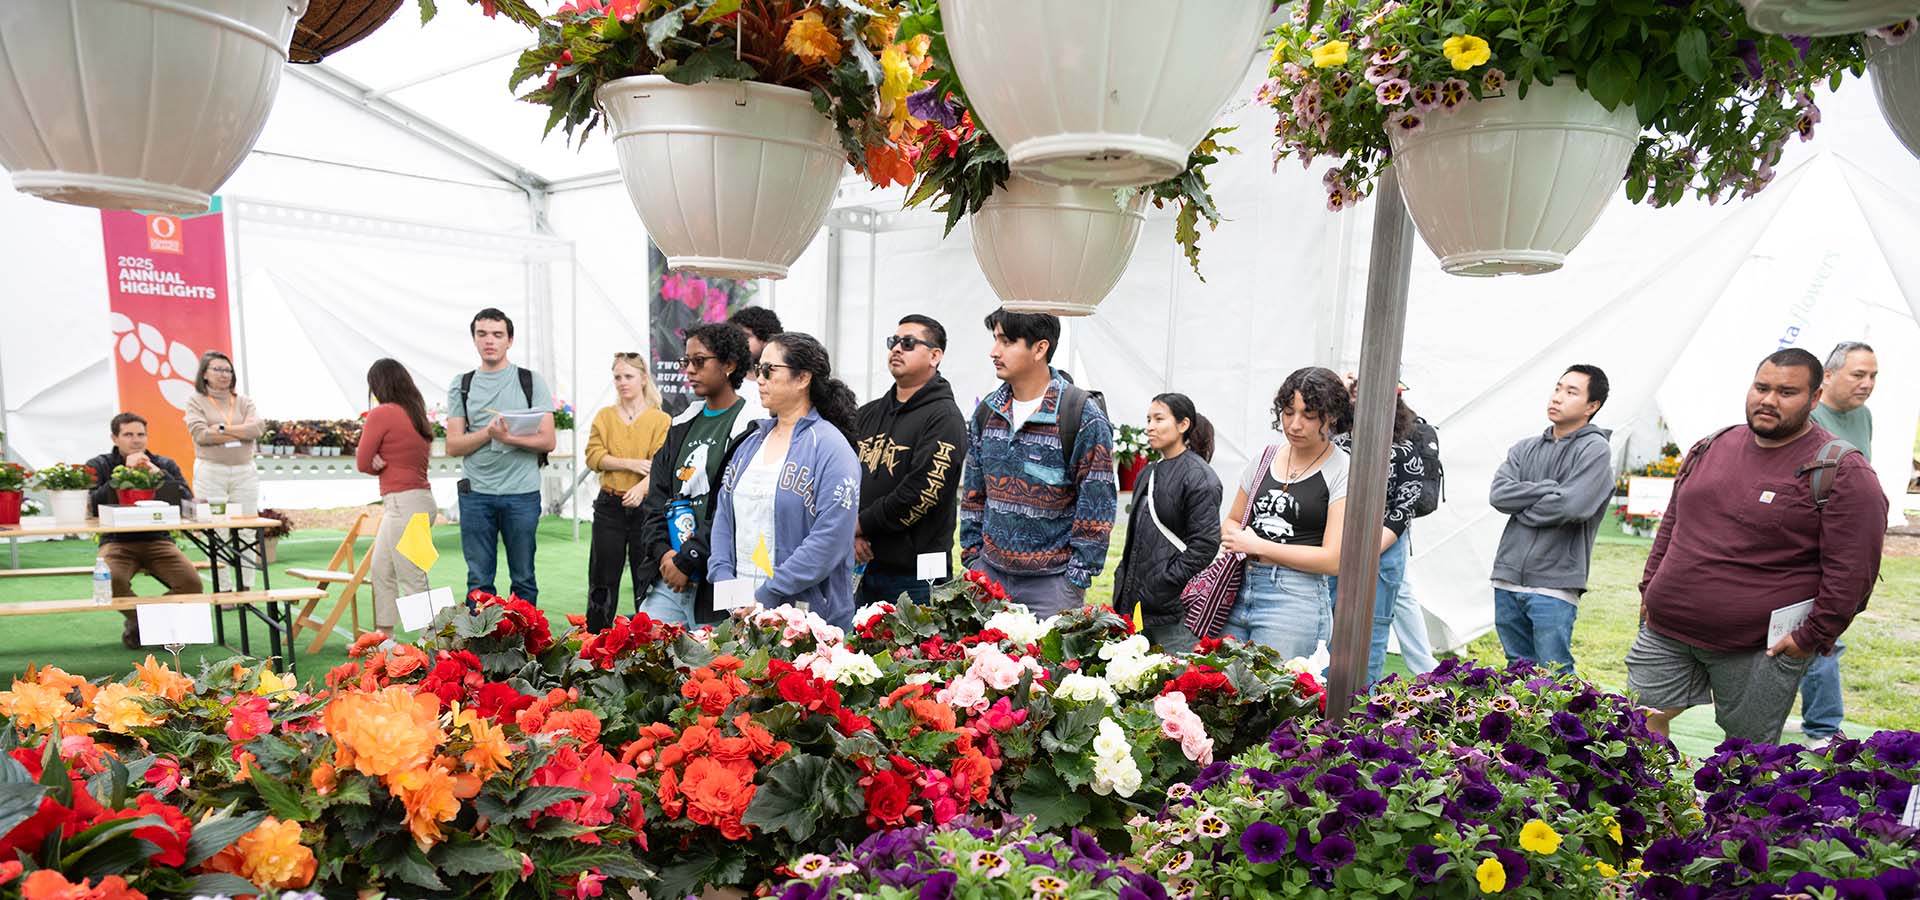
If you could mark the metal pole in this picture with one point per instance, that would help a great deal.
(1382, 333)
(579, 446)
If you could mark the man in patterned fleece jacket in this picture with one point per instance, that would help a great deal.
(1035, 515)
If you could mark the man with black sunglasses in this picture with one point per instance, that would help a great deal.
(911, 442)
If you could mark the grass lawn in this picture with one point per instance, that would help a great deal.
(1881, 673)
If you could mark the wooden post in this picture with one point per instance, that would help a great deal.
(1382, 333)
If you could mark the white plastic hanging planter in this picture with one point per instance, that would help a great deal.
(1052, 249)
(1823, 17)
(731, 178)
(1108, 93)
(136, 104)
(1508, 186)
(1896, 83)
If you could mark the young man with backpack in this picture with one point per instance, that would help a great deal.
(500, 495)
(1768, 548)
(1038, 496)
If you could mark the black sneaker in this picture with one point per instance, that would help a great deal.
(130, 634)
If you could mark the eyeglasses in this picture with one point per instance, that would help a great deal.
(910, 343)
(216, 370)
(695, 362)
(764, 371)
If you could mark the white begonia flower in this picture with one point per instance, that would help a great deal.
(1085, 689)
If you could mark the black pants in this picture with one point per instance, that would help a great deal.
(616, 546)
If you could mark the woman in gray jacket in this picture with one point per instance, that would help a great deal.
(1173, 530)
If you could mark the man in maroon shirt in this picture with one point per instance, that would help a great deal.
(1742, 538)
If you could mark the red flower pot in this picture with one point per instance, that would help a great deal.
(10, 507)
(130, 496)
(1131, 474)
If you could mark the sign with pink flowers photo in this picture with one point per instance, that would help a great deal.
(678, 301)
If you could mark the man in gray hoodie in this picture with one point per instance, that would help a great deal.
(1555, 487)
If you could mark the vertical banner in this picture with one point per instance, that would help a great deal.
(677, 302)
(167, 298)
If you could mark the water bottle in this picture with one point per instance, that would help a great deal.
(680, 522)
(102, 582)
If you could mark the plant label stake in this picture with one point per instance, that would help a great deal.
(930, 567)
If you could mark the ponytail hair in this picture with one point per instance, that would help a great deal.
(829, 395)
(1199, 436)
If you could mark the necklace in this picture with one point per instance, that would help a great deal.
(1294, 474)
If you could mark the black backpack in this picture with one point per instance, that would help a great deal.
(526, 387)
(1073, 406)
(1433, 475)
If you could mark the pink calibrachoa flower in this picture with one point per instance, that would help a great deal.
(1897, 33)
(1389, 55)
(1426, 97)
(1336, 201)
(1453, 92)
(1382, 74)
(1410, 123)
(1392, 92)
(1493, 81)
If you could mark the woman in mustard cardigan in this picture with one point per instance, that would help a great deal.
(620, 447)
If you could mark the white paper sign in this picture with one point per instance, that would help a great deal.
(1648, 496)
(930, 567)
(417, 610)
(1785, 619)
(175, 623)
(733, 593)
(1911, 818)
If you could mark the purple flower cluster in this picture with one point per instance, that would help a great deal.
(932, 862)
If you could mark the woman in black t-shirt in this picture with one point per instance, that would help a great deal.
(1297, 502)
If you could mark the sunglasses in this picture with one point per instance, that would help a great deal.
(764, 371)
(910, 343)
(695, 362)
(627, 354)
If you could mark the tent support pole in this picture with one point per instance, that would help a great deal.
(1382, 334)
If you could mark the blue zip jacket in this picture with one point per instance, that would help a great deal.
(814, 512)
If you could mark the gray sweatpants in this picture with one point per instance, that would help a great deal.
(1043, 595)
(1751, 692)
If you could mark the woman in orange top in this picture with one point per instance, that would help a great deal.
(394, 444)
(620, 447)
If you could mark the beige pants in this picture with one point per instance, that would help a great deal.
(393, 574)
(237, 484)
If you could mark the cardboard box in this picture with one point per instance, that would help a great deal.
(118, 516)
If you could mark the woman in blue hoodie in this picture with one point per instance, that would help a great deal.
(790, 497)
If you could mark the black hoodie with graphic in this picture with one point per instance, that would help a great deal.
(910, 458)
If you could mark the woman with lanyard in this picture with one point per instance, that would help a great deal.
(620, 447)
(224, 426)
(784, 517)
(1173, 529)
(1294, 508)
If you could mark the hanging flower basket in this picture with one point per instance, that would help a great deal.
(1060, 250)
(731, 178)
(1896, 83)
(136, 104)
(1101, 92)
(330, 25)
(1825, 17)
(1509, 186)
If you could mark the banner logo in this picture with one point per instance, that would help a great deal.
(164, 235)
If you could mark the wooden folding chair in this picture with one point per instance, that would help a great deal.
(343, 571)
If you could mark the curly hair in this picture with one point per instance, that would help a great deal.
(1324, 395)
(728, 344)
(829, 395)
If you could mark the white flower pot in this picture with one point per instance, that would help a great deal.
(1896, 82)
(136, 104)
(732, 179)
(1823, 17)
(1052, 249)
(1509, 186)
(1111, 93)
(563, 442)
(69, 507)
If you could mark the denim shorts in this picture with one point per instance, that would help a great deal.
(1286, 609)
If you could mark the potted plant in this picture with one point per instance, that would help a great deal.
(437, 417)
(731, 118)
(1511, 123)
(13, 485)
(67, 486)
(1826, 17)
(159, 129)
(1895, 61)
(1023, 228)
(563, 425)
(1101, 94)
(1132, 454)
(330, 25)
(272, 536)
(133, 485)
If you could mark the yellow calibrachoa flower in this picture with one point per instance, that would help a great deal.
(1613, 830)
(1279, 51)
(1607, 870)
(1539, 837)
(810, 39)
(1331, 53)
(118, 707)
(272, 683)
(1491, 875)
(897, 80)
(1466, 51)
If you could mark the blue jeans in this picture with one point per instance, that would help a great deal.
(664, 604)
(486, 521)
(1282, 608)
(879, 588)
(1393, 572)
(1410, 626)
(1821, 707)
(1535, 627)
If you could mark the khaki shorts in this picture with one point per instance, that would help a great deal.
(1751, 692)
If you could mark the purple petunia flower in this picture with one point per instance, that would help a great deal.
(1333, 785)
(1568, 727)
(1858, 889)
(1514, 863)
(1896, 749)
(1387, 775)
(1669, 854)
(1264, 842)
(1786, 803)
(1364, 804)
(1496, 727)
(1899, 884)
(939, 885)
(801, 890)
(1425, 862)
(1753, 854)
(1479, 796)
(932, 105)
(1335, 852)
(1806, 882)
(1086, 847)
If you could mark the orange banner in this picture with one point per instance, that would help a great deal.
(167, 294)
